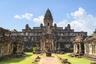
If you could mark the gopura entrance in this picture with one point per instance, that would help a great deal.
(47, 43)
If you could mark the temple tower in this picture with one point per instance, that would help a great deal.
(48, 21)
(47, 42)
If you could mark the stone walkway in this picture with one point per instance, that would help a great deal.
(49, 60)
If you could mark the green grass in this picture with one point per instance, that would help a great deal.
(30, 58)
(23, 60)
(75, 60)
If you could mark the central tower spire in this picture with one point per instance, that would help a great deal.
(48, 19)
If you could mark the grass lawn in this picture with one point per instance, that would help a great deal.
(23, 60)
(30, 58)
(75, 60)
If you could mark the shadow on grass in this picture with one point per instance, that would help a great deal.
(14, 59)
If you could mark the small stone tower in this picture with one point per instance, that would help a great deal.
(48, 21)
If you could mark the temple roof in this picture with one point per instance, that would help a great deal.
(91, 39)
(78, 39)
(48, 15)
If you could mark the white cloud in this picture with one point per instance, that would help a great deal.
(38, 19)
(17, 17)
(62, 23)
(79, 13)
(82, 21)
(25, 16)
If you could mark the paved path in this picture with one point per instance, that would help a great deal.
(49, 60)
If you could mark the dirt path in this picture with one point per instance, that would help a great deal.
(49, 60)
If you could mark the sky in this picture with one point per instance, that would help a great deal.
(80, 14)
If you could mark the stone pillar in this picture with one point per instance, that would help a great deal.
(52, 46)
(90, 49)
(55, 46)
(59, 46)
(41, 45)
(0, 52)
(85, 47)
(79, 48)
(75, 48)
(95, 49)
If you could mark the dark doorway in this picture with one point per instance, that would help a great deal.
(14, 49)
(82, 48)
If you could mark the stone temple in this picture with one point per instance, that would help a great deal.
(49, 36)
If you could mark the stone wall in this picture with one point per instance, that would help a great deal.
(9, 43)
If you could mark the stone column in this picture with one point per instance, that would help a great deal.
(74, 48)
(53, 46)
(41, 45)
(44, 49)
(85, 47)
(0, 51)
(95, 49)
(79, 48)
(59, 46)
(90, 49)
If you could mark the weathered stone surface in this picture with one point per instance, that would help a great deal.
(9, 45)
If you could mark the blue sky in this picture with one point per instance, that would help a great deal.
(81, 14)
